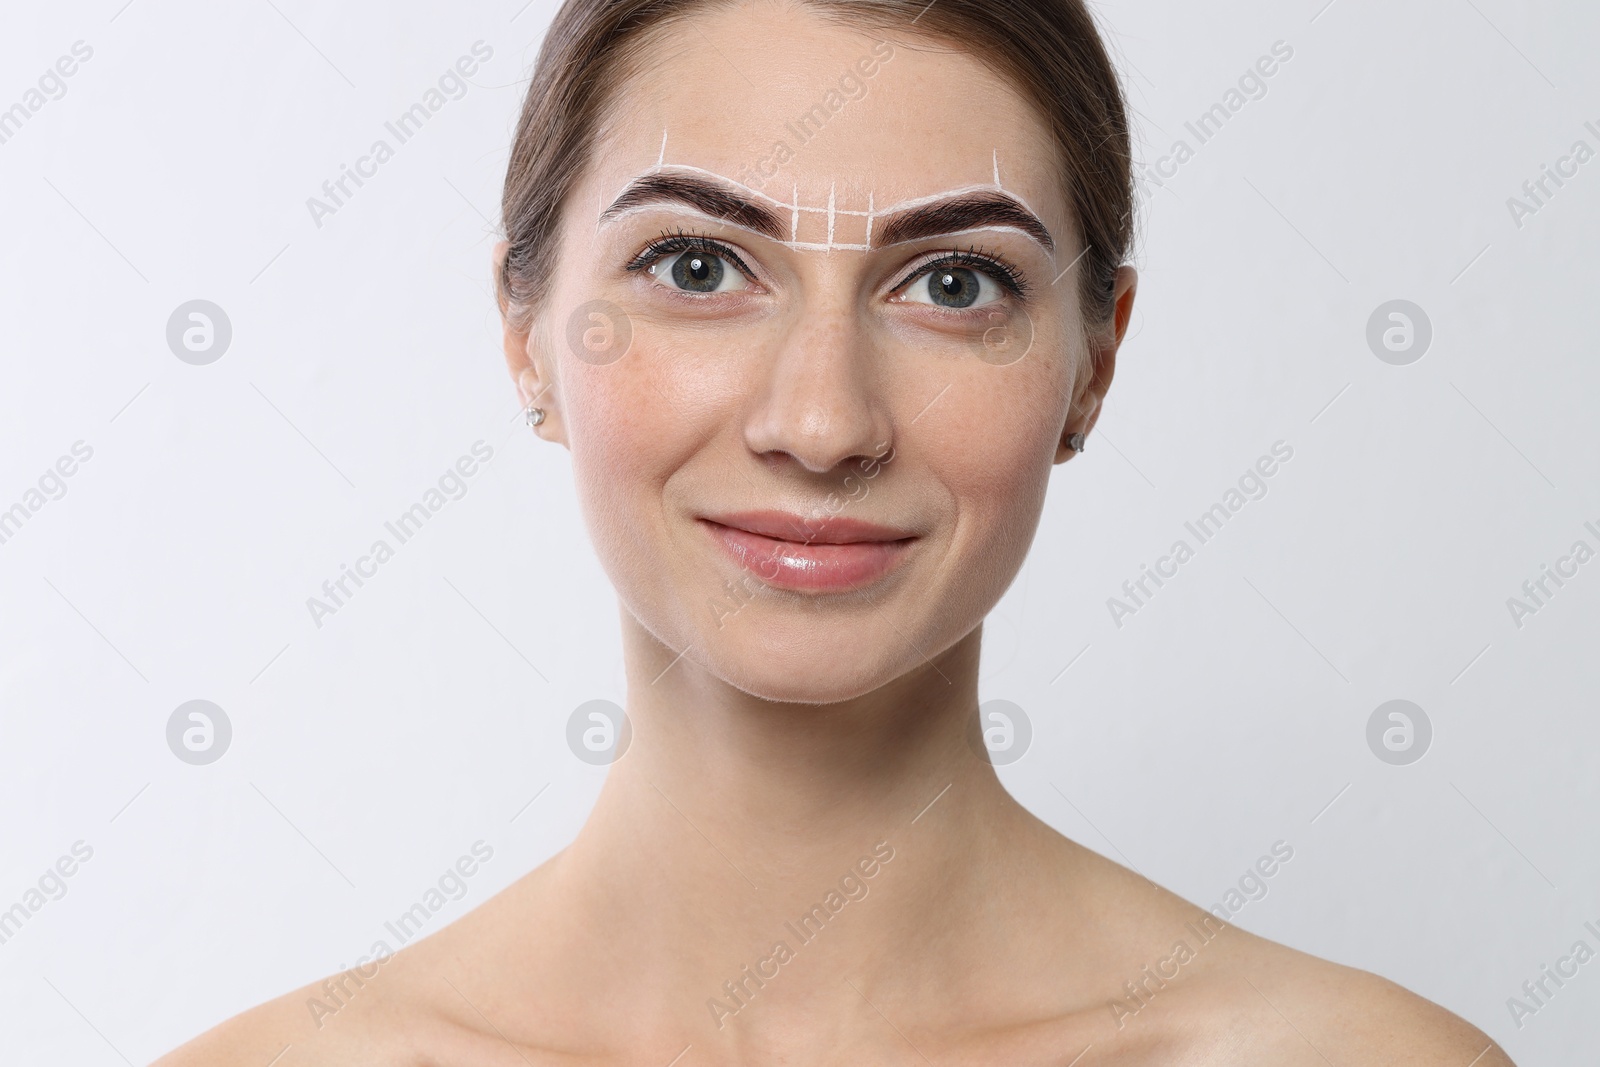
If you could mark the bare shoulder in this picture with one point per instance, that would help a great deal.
(1206, 992)
(415, 1007)
(367, 1015)
(1371, 1019)
(1300, 1008)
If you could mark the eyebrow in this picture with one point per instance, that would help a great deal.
(967, 211)
(707, 196)
(964, 211)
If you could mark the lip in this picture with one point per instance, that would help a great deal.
(830, 554)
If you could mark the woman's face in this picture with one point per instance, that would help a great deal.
(814, 343)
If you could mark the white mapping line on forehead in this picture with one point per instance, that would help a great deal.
(809, 246)
(794, 207)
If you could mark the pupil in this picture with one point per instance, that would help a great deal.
(697, 272)
(953, 287)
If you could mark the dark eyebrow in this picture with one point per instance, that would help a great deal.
(968, 211)
(708, 196)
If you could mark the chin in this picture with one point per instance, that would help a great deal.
(808, 661)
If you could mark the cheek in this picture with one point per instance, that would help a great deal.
(620, 436)
(1006, 423)
(631, 426)
(609, 415)
(999, 499)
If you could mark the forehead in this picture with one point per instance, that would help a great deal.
(816, 113)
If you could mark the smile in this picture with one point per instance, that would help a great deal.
(831, 554)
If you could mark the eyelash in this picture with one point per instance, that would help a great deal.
(975, 257)
(685, 241)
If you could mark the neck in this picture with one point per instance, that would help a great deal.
(730, 817)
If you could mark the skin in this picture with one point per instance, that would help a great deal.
(776, 746)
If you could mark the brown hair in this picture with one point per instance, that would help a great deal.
(1050, 50)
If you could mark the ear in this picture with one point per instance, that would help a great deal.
(1089, 393)
(529, 361)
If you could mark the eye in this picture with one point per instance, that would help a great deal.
(690, 263)
(960, 280)
(954, 287)
(699, 272)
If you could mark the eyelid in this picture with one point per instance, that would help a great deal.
(1004, 274)
(689, 241)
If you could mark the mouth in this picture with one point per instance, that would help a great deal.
(830, 554)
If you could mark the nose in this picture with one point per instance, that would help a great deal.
(822, 401)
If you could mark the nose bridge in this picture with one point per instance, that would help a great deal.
(822, 401)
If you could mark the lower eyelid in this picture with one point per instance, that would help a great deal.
(727, 299)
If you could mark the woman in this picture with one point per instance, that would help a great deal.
(817, 293)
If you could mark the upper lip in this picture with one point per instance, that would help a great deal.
(825, 530)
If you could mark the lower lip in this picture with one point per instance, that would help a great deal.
(809, 567)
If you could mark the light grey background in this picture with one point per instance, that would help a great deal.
(368, 754)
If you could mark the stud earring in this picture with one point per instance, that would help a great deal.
(535, 416)
(1075, 442)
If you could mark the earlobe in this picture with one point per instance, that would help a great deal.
(1075, 435)
(1090, 398)
(528, 363)
(535, 387)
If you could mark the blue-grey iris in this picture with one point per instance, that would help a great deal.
(697, 272)
(954, 287)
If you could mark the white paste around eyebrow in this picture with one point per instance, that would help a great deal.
(811, 246)
(831, 210)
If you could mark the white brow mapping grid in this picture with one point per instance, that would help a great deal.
(832, 211)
